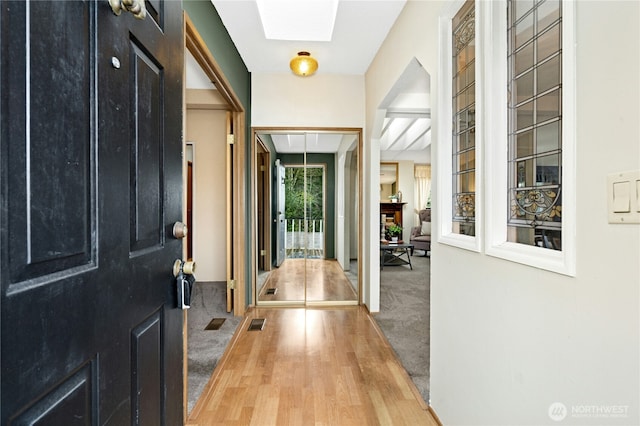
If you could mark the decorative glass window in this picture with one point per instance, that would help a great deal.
(534, 38)
(464, 121)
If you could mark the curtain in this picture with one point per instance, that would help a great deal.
(422, 190)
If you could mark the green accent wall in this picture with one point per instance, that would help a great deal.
(208, 23)
(330, 209)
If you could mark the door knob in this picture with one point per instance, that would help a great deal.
(180, 230)
(186, 267)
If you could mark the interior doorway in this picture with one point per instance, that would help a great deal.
(230, 104)
(217, 210)
(405, 291)
(264, 196)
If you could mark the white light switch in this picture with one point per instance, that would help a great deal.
(621, 202)
(623, 197)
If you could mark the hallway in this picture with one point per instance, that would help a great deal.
(310, 366)
(317, 280)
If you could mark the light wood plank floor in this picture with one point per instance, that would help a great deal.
(310, 367)
(324, 279)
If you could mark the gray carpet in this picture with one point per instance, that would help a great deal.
(207, 346)
(404, 316)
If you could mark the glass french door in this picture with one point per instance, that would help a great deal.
(304, 188)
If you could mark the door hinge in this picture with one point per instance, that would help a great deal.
(263, 252)
(262, 168)
(231, 284)
(231, 139)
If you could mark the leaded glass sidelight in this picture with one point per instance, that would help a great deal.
(464, 121)
(535, 123)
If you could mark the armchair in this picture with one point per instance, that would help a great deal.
(421, 235)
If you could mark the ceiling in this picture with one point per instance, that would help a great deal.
(359, 30)
(194, 75)
(296, 142)
(406, 129)
(289, 143)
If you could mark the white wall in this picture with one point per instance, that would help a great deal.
(346, 207)
(342, 204)
(355, 209)
(406, 185)
(508, 340)
(322, 100)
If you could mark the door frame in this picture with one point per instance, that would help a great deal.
(254, 198)
(264, 198)
(194, 42)
(196, 45)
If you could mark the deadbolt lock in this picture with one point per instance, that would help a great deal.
(186, 267)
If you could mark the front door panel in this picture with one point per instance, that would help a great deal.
(90, 186)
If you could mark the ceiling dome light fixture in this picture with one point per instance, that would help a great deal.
(304, 64)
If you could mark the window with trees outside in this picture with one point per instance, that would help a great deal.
(304, 211)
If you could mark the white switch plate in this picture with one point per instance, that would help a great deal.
(623, 197)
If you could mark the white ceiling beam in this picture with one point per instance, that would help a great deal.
(402, 133)
(386, 126)
(408, 113)
(417, 139)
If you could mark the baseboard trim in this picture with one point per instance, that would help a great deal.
(412, 386)
(368, 311)
(435, 416)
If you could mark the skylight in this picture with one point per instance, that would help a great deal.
(304, 20)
